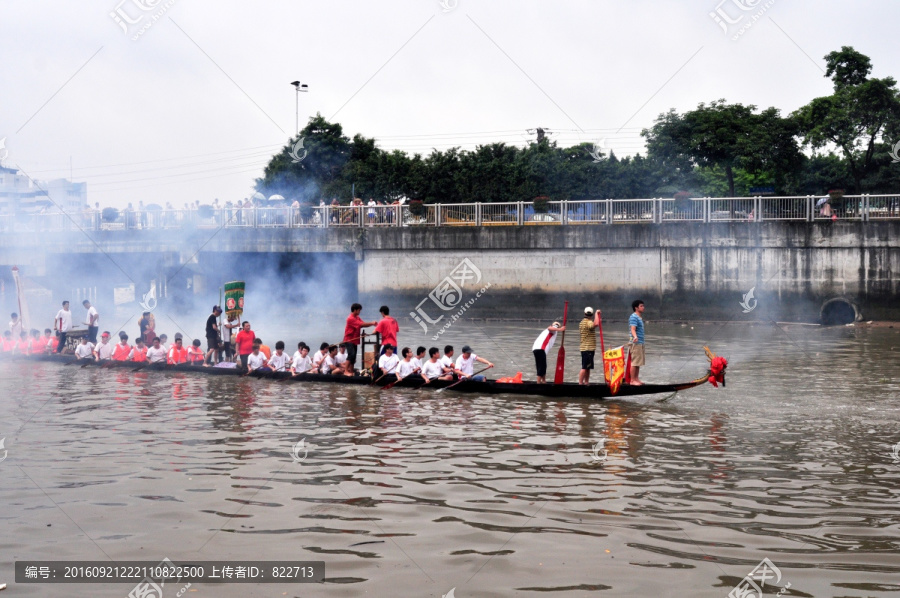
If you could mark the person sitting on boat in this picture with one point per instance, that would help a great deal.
(51, 341)
(388, 362)
(22, 344)
(327, 363)
(156, 353)
(264, 348)
(319, 357)
(341, 355)
(279, 360)
(257, 360)
(301, 362)
(540, 347)
(195, 354)
(37, 343)
(432, 368)
(8, 343)
(447, 363)
(465, 364)
(345, 369)
(122, 350)
(138, 354)
(178, 353)
(84, 350)
(419, 360)
(104, 349)
(407, 366)
(163, 342)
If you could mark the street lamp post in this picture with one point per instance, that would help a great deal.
(299, 87)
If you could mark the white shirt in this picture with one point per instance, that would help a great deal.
(278, 362)
(16, 328)
(406, 368)
(84, 351)
(92, 311)
(104, 350)
(431, 370)
(226, 331)
(466, 366)
(447, 362)
(301, 364)
(327, 365)
(388, 364)
(371, 205)
(64, 320)
(416, 362)
(544, 340)
(318, 358)
(155, 355)
(340, 358)
(254, 362)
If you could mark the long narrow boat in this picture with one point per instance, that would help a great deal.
(566, 390)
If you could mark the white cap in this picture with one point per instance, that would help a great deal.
(588, 310)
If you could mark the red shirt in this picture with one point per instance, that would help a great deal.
(243, 340)
(120, 353)
(351, 330)
(388, 328)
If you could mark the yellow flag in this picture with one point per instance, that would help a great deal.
(614, 368)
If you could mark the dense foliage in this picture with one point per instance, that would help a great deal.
(841, 141)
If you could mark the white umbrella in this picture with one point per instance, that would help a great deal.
(822, 201)
(276, 198)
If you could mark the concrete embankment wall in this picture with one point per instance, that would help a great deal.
(681, 270)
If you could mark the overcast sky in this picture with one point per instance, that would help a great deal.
(191, 107)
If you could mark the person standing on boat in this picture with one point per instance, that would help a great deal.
(243, 342)
(588, 343)
(352, 331)
(636, 324)
(62, 325)
(388, 328)
(92, 321)
(465, 364)
(228, 329)
(540, 347)
(15, 325)
(213, 344)
(147, 324)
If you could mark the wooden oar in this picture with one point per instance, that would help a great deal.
(385, 374)
(464, 379)
(391, 385)
(561, 355)
(602, 349)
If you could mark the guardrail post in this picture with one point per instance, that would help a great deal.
(608, 211)
(478, 215)
(520, 213)
(437, 214)
(864, 208)
(564, 211)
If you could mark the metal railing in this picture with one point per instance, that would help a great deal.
(601, 211)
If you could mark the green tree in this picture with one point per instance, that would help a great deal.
(855, 117)
(728, 136)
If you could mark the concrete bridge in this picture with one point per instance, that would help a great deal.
(683, 270)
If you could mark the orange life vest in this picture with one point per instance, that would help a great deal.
(177, 355)
(140, 354)
(120, 353)
(195, 354)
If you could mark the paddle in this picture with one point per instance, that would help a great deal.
(464, 379)
(602, 350)
(561, 355)
(391, 385)
(385, 374)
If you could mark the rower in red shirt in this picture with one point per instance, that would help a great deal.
(352, 331)
(122, 349)
(177, 354)
(387, 328)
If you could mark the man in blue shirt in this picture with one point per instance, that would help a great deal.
(637, 338)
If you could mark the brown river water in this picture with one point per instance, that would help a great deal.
(412, 493)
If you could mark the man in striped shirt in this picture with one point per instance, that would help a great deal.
(543, 344)
(588, 343)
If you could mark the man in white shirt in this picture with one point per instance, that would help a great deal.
(388, 362)
(104, 349)
(320, 356)
(420, 358)
(91, 321)
(327, 363)
(407, 367)
(541, 347)
(84, 350)
(447, 361)
(227, 329)
(279, 360)
(156, 353)
(432, 368)
(465, 364)
(302, 362)
(341, 356)
(63, 324)
(15, 325)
